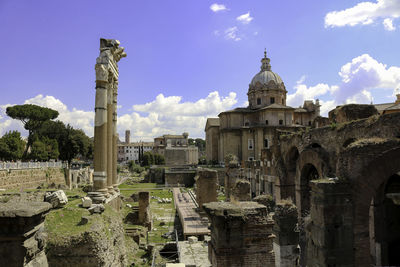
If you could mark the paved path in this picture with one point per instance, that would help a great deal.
(191, 221)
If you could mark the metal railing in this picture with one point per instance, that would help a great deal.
(5, 165)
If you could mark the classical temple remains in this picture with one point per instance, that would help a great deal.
(105, 179)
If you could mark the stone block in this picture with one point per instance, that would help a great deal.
(96, 208)
(86, 202)
(56, 199)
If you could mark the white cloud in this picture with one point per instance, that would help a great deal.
(245, 18)
(365, 13)
(232, 34)
(171, 115)
(361, 78)
(303, 92)
(388, 24)
(217, 7)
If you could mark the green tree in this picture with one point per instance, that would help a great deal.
(148, 159)
(201, 144)
(51, 148)
(32, 116)
(191, 142)
(38, 151)
(71, 142)
(133, 167)
(159, 159)
(11, 146)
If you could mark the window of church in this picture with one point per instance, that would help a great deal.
(272, 100)
(251, 159)
(250, 144)
(283, 102)
(280, 122)
(266, 145)
(266, 122)
(258, 101)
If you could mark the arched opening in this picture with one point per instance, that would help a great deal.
(385, 223)
(308, 173)
(371, 195)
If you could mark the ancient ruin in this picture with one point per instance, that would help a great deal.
(105, 178)
(22, 239)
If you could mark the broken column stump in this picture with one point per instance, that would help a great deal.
(241, 191)
(241, 235)
(206, 186)
(144, 209)
(22, 239)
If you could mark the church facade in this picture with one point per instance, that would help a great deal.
(248, 131)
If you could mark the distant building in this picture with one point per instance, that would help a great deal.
(128, 151)
(176, 149)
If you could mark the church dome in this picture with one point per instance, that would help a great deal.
(266, 75)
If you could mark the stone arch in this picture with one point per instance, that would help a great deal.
(367, 179)
(288, 182)
(318, 159)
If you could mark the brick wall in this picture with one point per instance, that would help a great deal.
(30, 178)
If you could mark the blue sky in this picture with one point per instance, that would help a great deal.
(191, 59)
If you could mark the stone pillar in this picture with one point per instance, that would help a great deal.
(241, 235)
(232, 174)
(115, 140)
(144, 209)
(241, 191)
(110, 135)
(206, 186)
(22, 240)
(329, 233)
(106, 75)
(286, 235)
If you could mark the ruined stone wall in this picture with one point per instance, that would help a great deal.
(329, 231)
(241, 235)
(181, 155)
(183, 178)
(30, 178)
(363, 153)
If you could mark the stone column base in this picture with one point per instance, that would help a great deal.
(97, 197)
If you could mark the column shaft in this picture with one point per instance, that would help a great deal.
(110, 132)
(100, 140)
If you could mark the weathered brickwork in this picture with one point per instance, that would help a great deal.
(241, 235)
(30, 178)
(206, 186)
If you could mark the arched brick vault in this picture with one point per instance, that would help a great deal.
(318, 157)
(367, 168)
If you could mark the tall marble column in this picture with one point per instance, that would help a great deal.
(115, 138)
(110, 133)
(106, 77)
